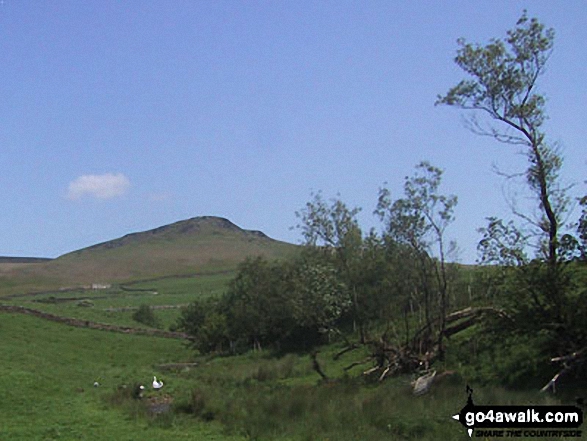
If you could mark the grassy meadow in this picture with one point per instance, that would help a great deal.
(47, 375)
(48, 371)
(116, 305)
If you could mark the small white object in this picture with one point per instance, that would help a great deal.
(96, 384)
(141, 387)
(157, 384)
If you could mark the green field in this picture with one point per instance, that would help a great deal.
(116, 305)
(48, 371)
(47, 377)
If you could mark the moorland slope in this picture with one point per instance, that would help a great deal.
(196, 245)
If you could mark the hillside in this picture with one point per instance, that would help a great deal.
(20, 260)
(200, 244)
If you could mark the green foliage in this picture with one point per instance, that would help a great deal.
(502, 244)
(257, 304)
(318, 296)
(281, 304)
(582, 229)
(421, 213)
(504, 74)
(294, 407)
(204, 320)
(504, 87)
(343, 411)
(333, 225)
(492, 357)
(146, 316)
(332, 231)
(340, 279)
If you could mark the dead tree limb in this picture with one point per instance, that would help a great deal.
(317, 367)
(350, 348)
(570, 362)
(358, 363)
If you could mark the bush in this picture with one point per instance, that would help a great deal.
(146, 316)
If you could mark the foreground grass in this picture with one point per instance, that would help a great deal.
(48, 370)
(266, 398)
(47, 375)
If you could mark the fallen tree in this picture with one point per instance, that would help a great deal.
(422, 350)
(418, 354)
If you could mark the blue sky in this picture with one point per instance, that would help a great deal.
(118, 117)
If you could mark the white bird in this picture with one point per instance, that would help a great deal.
(96, 384)
(157, 384)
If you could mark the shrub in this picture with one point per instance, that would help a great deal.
(146, 316)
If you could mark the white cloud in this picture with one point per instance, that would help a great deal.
(106, 186)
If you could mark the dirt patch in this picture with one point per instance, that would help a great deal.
(159, 404)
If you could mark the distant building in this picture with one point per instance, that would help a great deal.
(101, 286)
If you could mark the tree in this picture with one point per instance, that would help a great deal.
(256, 303)
(504, 88)
(318, 297)
(419, 221)
(205, 321)
(333, 230)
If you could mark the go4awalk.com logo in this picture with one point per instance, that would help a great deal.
(520, 421)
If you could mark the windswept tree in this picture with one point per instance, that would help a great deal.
(503, 86)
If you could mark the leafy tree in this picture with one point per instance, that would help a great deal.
(257, 309)
(503, 244)
(318, 297)
(333, 230)
(205, 321)
(380, 274)
(419, 221)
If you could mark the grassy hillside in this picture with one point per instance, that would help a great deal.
(49, 369)
(47, 381)
(8, 260)
(116, 305)
(202, 244)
